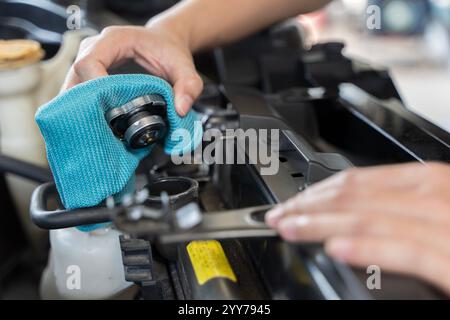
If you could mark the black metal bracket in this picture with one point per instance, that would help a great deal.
(138, 266)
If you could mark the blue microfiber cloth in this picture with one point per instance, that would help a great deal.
(88, 162)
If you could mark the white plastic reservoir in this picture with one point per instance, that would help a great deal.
(84, 265)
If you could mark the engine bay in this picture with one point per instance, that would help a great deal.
(332, 113)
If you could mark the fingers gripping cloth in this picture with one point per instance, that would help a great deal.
(88, 162)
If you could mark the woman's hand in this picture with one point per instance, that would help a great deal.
(157, 48)
(396, 217)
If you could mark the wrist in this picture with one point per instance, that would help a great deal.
(173, 26)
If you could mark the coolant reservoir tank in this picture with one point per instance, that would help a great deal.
(84, 265)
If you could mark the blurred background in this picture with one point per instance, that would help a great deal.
(412, 41)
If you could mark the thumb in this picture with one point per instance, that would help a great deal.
(187, 85)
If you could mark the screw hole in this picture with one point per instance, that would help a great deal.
(297, 175)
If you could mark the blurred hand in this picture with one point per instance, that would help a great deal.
(396, 217)
(161, 52)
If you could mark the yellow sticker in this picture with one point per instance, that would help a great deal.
(209, 261)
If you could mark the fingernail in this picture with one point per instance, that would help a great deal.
(339, 248)
(183, 104)
(290, 228)
(273, 216)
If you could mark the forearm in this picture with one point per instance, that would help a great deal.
(209, 23)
